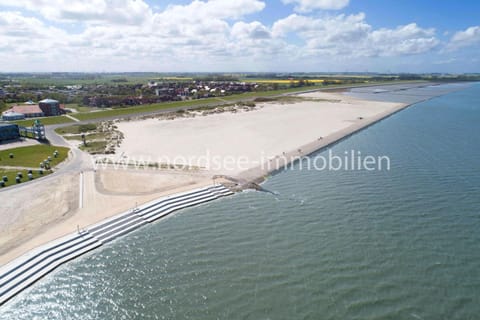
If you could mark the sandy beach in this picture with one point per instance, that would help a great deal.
(57, 210)
(241, 142)
(234, 143)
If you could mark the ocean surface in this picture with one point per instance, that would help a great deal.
(398, 244)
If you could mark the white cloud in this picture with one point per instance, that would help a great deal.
(21, 34)
(198, 32)
(309, 5)
(295, 23)
(112, 11)
(404, 40)
(351, 35)
(210, 35)
(468, 37)
(255, 40)
(217, 9)
(253, 30)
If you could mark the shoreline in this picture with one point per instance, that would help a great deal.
(256, 175)
(98, 198)
(25, 270)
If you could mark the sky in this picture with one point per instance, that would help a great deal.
(387, 36)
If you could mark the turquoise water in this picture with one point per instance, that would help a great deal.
(398, 244)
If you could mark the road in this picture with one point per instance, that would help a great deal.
(77, 162)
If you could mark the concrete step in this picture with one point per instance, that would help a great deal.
(111, 234)
(32, 275)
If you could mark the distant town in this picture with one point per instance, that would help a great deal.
(44, 95)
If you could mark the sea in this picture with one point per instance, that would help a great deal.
(402, 243)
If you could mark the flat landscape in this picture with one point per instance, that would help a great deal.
(245, 139)
(246, 136)
(251, 159)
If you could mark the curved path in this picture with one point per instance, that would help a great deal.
(77, 161)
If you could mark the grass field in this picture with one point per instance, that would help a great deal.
(93, 79)
(176, 78)
(190, 103)
(79, 108)
(44, 121)
(76, 129)
(12, 174)
(141, 109)
(31, 156)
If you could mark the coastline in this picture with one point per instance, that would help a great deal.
(259, 174)
(104, 195)
(25, 270)
(28, 232)
(98, 196)
(255, 175)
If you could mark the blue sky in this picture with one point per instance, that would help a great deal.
(240, 35)
(444, 15)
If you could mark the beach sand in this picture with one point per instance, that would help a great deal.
(54, 210)
(41, 212)
(232, 143)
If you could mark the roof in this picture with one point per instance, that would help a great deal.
(11, 113)
(6, 125)
(48, 101)
(26, 109)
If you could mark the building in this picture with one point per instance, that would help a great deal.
(9, 131)
(12, 116)
(51, 107)
(28, 110)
